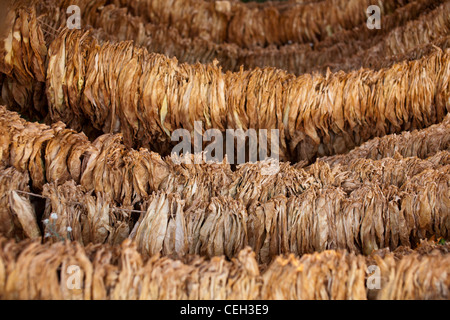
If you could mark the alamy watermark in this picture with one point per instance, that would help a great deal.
(374, 17)
(374, 280)
(240, 147)
(73, 281)
(74, 20)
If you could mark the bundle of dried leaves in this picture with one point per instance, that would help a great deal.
(29, 270)
(148, 96)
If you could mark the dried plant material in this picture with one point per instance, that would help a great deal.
(23, 54)
(224, 231)
(418, 143)
(45, 271)
(427, 195)
(197, 182)
(268, 229)
(22, 209)
(249, 26)
(129, 275)
(114, 23)
(250, 185)
(162, 229)
(72, 213)
(166, 228)
(157, 280)
(391, 171)
(80, 103)
(355, 172)
(427, 29)
(414, 277)
(315, 115)
(50, 265)
(64, 212)
(17, 217)
(367, 219)
(330, 275)
(200, 279)
(55, 154)
(21, 96)
(22, 50)
(417, 52)
(358, 204)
